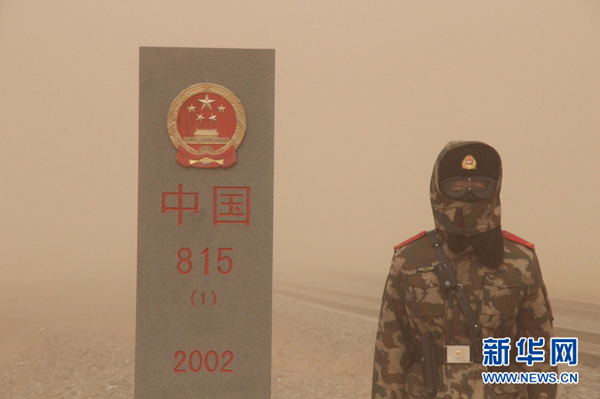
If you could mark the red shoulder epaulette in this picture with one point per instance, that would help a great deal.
(517, 239)
(421, 234)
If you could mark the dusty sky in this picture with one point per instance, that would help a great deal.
(367, 93)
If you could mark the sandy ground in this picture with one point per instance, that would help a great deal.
(73, 340)
(81, 345)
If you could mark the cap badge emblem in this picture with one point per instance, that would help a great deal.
(469, 162)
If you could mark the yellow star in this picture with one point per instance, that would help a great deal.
(206, 102)
(200, 118)
(191, 108)
(221, 108)
(213, 117)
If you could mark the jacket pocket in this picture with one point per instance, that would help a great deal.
(500, 300)
(424, 295)
(501, 295)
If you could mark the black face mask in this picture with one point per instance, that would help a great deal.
(488, 246)
(469, 197)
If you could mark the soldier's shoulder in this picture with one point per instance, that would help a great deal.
(411, 240)
(413, 252)
(517, 249)
(518, 240)
(519, 254)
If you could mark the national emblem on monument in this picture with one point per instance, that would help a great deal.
(206, 123)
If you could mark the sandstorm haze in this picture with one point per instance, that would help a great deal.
(367, 94)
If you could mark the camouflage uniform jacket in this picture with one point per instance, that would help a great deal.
(508, 301)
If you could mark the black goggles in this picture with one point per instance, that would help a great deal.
(457, 187)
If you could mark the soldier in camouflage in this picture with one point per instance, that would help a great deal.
(499, 274)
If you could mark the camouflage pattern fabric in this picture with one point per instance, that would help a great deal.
(509, 301)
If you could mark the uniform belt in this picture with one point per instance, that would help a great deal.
(450, 354)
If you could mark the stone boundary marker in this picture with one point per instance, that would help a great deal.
(205, 223)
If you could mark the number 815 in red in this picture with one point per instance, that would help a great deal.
(210, 361)
(184, 266)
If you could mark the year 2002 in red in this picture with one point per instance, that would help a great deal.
(209, 362)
